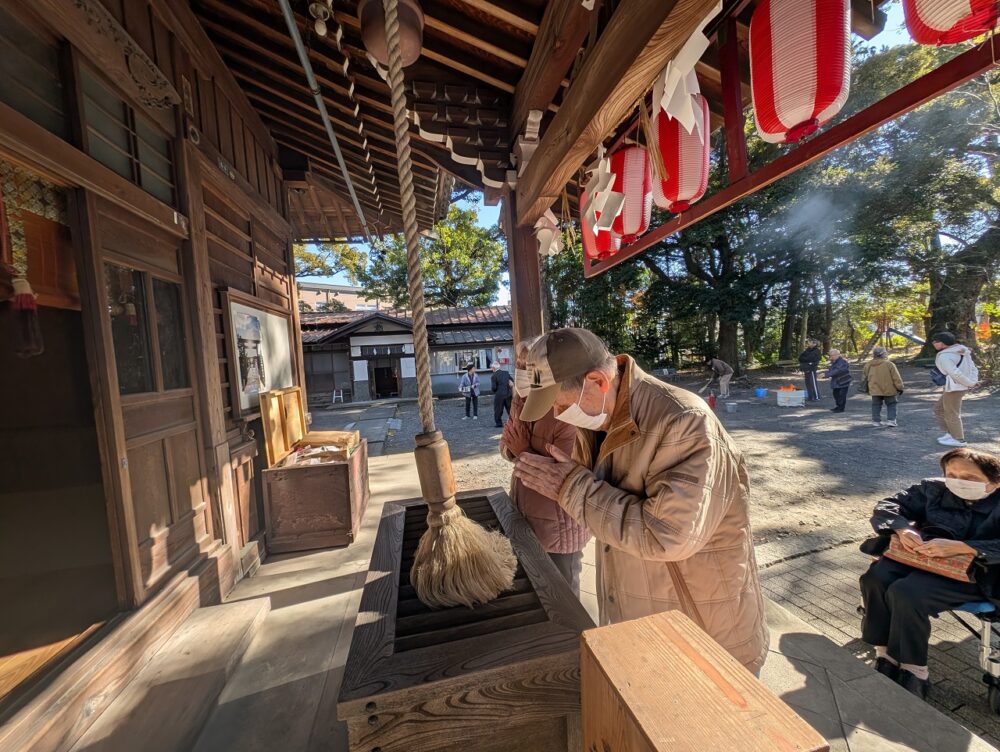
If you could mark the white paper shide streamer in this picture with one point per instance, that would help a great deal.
(548, 235)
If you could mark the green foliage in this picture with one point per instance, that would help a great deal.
(461, 266)
(325, 259)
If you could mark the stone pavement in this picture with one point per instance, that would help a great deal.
(375, 421)
(822, 589)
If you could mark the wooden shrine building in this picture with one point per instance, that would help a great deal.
(158, 158)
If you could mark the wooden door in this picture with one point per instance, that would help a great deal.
(164, 519)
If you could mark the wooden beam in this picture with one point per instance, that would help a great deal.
(322, 214)
(525, 274)
(295, 201)
(502, 14)
(641, 37)
(942, 79)
(732, 102)
(563, 28)
(867, 21)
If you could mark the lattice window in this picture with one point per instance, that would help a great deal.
(125, 140)
(30, 76)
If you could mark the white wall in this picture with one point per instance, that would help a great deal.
(382, 339)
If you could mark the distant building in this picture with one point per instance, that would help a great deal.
(316, 295)
(369, 354)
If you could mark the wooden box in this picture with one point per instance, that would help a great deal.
(309, 506)
(496, 678)
(660, 683)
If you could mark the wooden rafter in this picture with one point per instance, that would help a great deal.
(563, 28)
(640, 38)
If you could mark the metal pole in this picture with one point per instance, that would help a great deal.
(317, 93)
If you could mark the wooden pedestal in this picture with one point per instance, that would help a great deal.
(499, 677)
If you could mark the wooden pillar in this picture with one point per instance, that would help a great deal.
(732, 101)
(525, 277)
(201, 298)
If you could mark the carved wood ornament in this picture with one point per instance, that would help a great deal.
(94, 31)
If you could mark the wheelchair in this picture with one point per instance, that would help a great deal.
(989, 645)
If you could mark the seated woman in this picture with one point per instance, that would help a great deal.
(940, 517)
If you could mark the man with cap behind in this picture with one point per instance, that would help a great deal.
(657, 480)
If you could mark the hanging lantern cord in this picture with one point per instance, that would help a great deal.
(457, 562)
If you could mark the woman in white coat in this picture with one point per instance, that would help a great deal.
(955, 363)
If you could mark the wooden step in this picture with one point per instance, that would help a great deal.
(164, 708)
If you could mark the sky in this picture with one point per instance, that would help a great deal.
(894, 34)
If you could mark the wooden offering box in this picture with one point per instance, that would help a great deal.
(310, 506)
(660, 684)
(497, 678)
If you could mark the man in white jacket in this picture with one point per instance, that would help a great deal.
(955, 362)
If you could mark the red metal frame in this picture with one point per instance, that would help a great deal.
(952, 74)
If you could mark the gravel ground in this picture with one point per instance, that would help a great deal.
(814, 475)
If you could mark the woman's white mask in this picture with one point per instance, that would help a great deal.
(970, 490)
(522, 382)
(575, 416)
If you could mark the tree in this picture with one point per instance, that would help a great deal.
(325, 259)
(461, 262)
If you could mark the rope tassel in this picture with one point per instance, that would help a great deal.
(457, 562)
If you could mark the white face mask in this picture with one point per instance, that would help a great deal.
(575, 416)
(970, 490)
(522, 382)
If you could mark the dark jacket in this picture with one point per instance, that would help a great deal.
(809, 359)
(500, 384)
(839, 373)
(931, 508)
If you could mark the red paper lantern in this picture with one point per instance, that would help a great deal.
(948, 21)
(633, 179)
(685, 158)
(800, 65)
(602, 245)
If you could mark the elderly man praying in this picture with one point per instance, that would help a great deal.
(657, 480)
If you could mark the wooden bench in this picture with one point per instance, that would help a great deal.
(660, 683)
(787, 365)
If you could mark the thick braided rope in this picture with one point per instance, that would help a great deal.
(414, 275)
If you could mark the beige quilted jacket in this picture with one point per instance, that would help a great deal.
(667, 501)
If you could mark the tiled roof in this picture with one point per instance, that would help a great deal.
(471, 316)
(312, 336)
(485, 335)
(339, 318)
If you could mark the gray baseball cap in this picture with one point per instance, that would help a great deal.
(560, 355)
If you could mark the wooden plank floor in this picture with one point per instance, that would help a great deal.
(18, 667)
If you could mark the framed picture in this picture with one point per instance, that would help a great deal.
(259, 341)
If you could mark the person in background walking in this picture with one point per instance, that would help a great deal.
(883, 382)
(809, 364)
(500, 385)
(954, 362)
(839, 374)
(562, 537)
(723, 372)
(469, 386)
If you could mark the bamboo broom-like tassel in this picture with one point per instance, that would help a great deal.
(457, 562)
